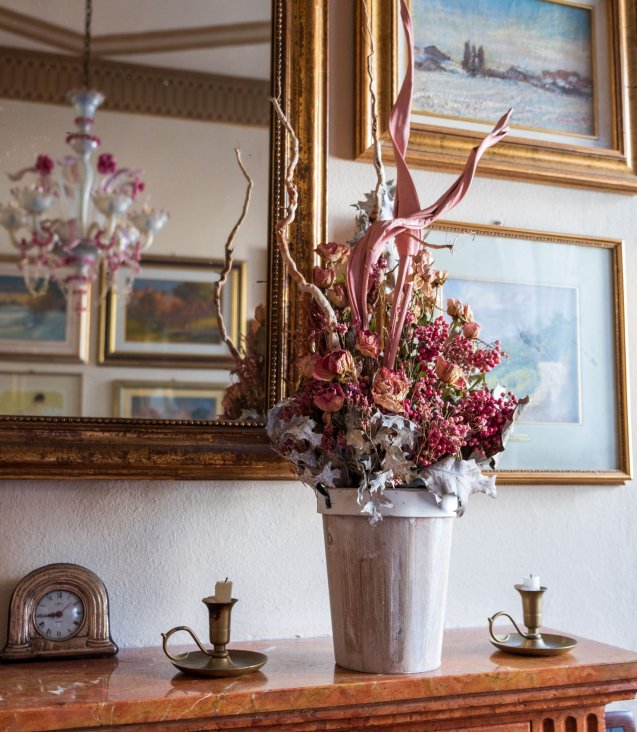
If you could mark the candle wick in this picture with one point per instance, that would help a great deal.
(226, 579)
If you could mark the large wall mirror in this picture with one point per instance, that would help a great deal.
(113, 361)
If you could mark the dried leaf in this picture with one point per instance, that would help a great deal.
(302, 428)
(396, 463)
(373, 507)
(459, 478)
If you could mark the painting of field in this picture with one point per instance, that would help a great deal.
(27, 318)
(171, 312)
(537, 326)
(474, 60)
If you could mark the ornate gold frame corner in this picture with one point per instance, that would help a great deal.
(446, 150)
(82, 448)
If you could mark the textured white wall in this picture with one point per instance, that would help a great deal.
(160, 546)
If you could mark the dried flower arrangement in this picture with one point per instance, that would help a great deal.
(391, 393)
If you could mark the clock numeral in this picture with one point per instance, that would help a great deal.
(76, 603)
(75, 622)
(60, 595)
(48, 632)
(59, 634)
(48, 597)
(41, 624)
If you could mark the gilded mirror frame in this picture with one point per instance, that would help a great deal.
(67, 448)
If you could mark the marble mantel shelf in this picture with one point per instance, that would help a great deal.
(300, 688)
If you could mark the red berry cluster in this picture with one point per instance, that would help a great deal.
(486, 416)
(432, 339)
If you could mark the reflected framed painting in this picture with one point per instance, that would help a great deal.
(165, 315)
(556, 304)
(167, 400)
(565, 67)
(39, 327)
(35, 394)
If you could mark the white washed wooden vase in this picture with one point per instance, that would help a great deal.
(388, 583)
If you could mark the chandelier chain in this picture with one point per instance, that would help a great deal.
(86, 61)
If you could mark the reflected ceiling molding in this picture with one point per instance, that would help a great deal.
(178, 39)
(32, 76)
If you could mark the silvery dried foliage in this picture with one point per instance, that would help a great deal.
(378, 455)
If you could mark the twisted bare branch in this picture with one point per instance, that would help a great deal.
(380, 191)
(227, 266)
(333, 341)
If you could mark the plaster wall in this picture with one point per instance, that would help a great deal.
(160, 546)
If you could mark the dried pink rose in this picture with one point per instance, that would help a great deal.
(336, 363)
(449, 373)
(333, 253)
(440, 277)
(390, 389)
(338, 296)
(329, 399)
(323, 278)
(471, 330)
(457, 310)
(368, 343)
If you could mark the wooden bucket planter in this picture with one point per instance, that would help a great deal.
(388, 583)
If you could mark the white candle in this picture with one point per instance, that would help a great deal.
(223, 591)
(532, 582)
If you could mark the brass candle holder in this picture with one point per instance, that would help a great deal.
(531, 643)
(220, 661)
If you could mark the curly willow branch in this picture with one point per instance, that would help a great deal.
(227, 266)
(333, 341)
(378, 159)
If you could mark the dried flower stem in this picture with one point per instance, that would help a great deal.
(333, 341)
(227, 266)
(380, 191)
(427, 245)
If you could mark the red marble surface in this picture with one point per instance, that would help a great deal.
(141, 686)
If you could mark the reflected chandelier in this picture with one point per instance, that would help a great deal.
(94, 225)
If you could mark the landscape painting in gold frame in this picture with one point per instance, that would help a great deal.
(556, 303)
(165, 316)
(567, 68)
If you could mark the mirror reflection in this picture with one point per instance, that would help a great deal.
(119, 190)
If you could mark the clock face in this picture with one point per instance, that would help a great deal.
(59, 614)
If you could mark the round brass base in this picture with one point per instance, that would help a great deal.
(237, 663)
(548, 645)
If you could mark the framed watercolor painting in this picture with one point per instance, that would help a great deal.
(39, 328)
(556, 303)
(565, 67)
(35, 394)
(167, 317)
(167, 400)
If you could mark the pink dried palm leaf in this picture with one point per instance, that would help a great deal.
(409, 219)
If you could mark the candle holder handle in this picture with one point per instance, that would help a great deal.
(183, 656)
(503, 638)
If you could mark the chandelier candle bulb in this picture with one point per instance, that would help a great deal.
(532, 582)
(223, 591)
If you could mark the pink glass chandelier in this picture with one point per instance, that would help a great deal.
(72, 219)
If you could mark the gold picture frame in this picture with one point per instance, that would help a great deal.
(71, 347)
(202, 396)
(116, 350)
(617, 303)
(612, 167)
(92, 448)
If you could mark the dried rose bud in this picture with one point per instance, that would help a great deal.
(368, 343)
(333, 253)
(440, 278)
(390, 389)
(329, 399)
(471, 330)
(338, 296)
(449, 373)
(337, 363)
(457, 310)
(323, 278)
